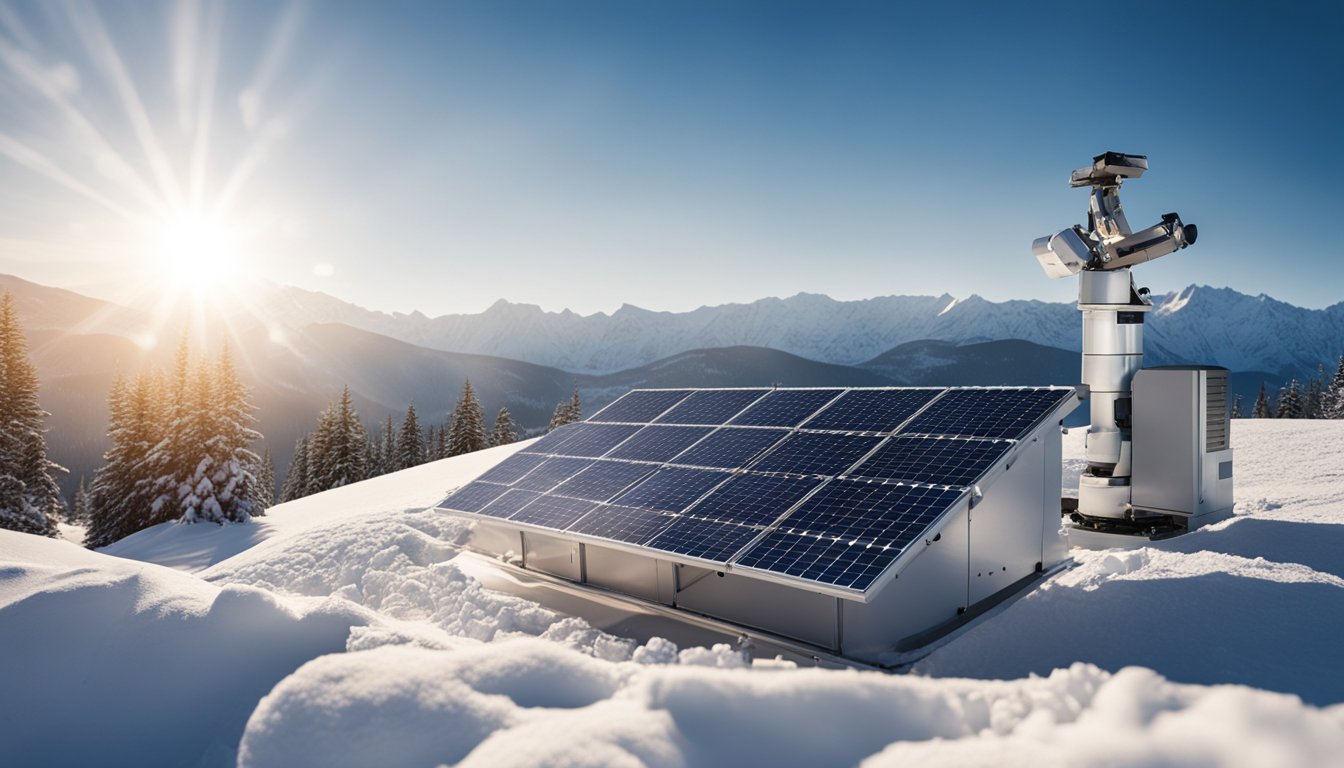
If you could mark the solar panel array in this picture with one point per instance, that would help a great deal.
(826, 486)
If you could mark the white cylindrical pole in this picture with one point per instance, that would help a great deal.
(1112, 353)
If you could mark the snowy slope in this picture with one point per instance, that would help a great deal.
(343, 632)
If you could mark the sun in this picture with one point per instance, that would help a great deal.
(196, 251)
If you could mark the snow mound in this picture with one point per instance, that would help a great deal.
(146, 665)
(531, 703)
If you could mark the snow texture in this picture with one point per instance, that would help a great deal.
(340, 631)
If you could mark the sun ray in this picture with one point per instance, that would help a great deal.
(35, 161)
(117, 169)
(89, 27)
(209, 39)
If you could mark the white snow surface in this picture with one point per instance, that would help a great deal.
(339, 630)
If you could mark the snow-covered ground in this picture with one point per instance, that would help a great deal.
(343, 629)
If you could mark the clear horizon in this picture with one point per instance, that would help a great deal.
(440, 157)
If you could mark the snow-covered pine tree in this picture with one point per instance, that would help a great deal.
(1332, 402)
(504, 431)
(236, 468)
(30, 500)
(431, 439)
(1236, 408)
(336, 455)
(1261, 408)
(388, 450)
(173, 462)
(566, 412)
(1290, 402)
(266, 480)
(468, 430)
(79, 510)
(122, 493)
(1311, 401)
(319, 451)
(410, 442)
(296, 478)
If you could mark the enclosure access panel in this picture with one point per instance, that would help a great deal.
(1182, 450)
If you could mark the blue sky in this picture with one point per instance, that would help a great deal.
(442, 155)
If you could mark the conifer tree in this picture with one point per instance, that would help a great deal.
(1332, 402)
(504, 431)
(410, 441)
(441, 442)
(79, 510)
(230, 468)
(296, 478)
(468, 430)
(266, 480)
(1290, 402)
(1236, 408)
(566, 412)
(336, 455)
(388, 451)
(172, 462)
(431, 439)
(30, 500)
(122, 493)
(1261, 408)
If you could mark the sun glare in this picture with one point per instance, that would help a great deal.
(194, 251)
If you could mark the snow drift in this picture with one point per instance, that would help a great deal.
(342, 630)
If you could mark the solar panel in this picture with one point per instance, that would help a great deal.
(849, 531)
(785, 407)
(704, 539)
(557, 512)
(473, 496)
(730, 447)
(604, 479)
(812, 484)
(871, 410)
(936, 460)
(507, 505)
(551, 473)
(672, 489)
(592, 440)
(711, 407)
(752, 499)
(512, 469)
(806, 453)
(658, 443)
(641, 406)
(633, 526)
(1007, 413)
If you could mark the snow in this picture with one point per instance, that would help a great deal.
(345, 629)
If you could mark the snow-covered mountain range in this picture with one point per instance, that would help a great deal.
(1197, 324)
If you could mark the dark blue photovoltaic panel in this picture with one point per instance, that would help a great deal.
(509, 503)
(751, 499)
(641, 406)
(935, 460)
(551, 473)
(785, 407)
(634, 526)
(473, 496)
(730, 447)
(871, 410)
(1007, 413)
(711, 407)
(553, 439)
(658, 443)
(705, 539)
(593, 440)
(512, 469)
(849, 532)
(805, 453)
(557, 512)
(672, 489)
(604, 480)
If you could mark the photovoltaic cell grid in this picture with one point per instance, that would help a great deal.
(622, 477)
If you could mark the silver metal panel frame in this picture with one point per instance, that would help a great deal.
(1007, 528)
(625, 572)
(780, 609)
(556, 556)
(1167, 440)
